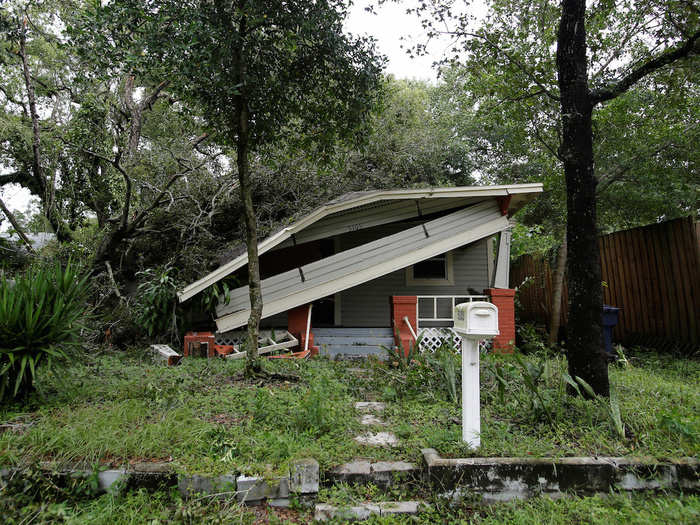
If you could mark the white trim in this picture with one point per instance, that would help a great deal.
(449, 280)
(503, 261)
(435, 300)
(490, 258)
(354, 274)
(337, 303)
(364, 198)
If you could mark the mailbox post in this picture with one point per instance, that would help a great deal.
(473, 321)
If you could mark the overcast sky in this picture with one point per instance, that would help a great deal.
(388, 25)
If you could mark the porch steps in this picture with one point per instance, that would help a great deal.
(353, 342)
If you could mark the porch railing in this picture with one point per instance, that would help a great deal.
(437, 310)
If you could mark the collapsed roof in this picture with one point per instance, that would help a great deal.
(360, 210)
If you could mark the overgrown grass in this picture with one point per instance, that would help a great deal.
(142, 507)
(613, 508)
(659, 401)
(115, 408)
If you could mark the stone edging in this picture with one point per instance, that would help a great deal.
(502, 479)
(303, 480)
(493, 479)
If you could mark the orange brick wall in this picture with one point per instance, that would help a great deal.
(404, 306)
(504, 299)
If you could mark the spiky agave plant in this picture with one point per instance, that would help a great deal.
(39, 319)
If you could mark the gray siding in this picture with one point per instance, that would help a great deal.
(369, 304)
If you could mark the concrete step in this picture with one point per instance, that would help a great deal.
(364, 511)
(352, 340)
(351, 332)
(352, 350)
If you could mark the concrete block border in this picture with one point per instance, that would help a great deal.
(491, 479)
(302, 480)
(382, 473)
(504, 479)
(324, 512)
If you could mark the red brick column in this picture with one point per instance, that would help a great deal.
(504, 299)
(404, 306)
(296, 325)
(207, 338)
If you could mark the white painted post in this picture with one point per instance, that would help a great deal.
(473, 321)
(471, 411)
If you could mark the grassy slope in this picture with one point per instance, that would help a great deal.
(114, 408)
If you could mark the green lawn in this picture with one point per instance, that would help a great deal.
(115, 408)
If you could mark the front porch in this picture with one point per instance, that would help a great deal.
(426, 318)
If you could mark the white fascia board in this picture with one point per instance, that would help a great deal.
(368, 198)
(240, 318)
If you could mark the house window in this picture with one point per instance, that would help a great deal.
(435, 270)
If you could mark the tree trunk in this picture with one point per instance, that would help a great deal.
(585, 352)
(16, 226)
(253, 359)
(557, 286)
(48, 188)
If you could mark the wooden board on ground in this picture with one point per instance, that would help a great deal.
(267, 345)
(167, 354)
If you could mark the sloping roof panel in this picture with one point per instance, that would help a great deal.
(350, 201)
(364, 263)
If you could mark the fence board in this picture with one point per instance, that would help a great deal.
(652, 274)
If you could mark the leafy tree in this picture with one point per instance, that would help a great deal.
(256, 69)
(601, 53)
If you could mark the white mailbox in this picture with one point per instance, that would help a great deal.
(478, 319)
(473, 321)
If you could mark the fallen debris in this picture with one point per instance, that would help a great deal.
(166, 354)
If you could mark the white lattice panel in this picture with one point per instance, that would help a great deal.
(433, 338)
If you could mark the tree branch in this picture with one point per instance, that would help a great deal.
(670, 56)
(16, 177)
(516, 63)
(16, 226)
(150, 99)
(605, 181)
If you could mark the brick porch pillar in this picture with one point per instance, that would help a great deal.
(504, 299)
(296, 325)
(404, 306)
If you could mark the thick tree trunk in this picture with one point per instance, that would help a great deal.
(557, 287)
(585, 352)
(253, 359)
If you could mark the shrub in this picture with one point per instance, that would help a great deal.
(39, 318)
(157, 308)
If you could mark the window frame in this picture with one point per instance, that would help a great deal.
(446, 281)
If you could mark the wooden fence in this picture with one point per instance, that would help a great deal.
(652, 273)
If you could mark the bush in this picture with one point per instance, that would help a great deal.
(39, 317)
(157, 307)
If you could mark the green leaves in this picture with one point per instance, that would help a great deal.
(157, 300)
(39, 317)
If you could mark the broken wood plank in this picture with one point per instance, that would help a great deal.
(167, 354)
(287, 340)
